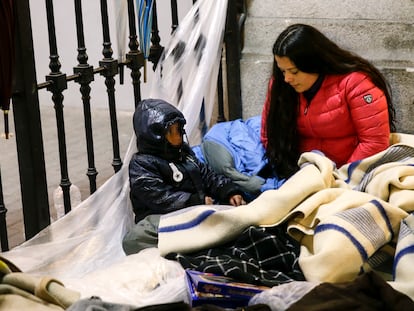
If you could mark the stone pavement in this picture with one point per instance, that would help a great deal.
(77, 158)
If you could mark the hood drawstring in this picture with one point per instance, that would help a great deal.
(177, 175)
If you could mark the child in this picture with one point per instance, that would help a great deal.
(165, 175)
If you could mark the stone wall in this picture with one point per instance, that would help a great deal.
(379, 30)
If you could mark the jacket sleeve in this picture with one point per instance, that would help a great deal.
(149, 191)
(265, 112)
(369, 112)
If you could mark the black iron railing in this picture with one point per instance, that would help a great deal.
(28, 129)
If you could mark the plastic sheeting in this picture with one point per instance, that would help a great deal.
(86, 238)
(121, 18)
(187, 73)
(87, 241)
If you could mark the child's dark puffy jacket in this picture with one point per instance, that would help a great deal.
(164, 178)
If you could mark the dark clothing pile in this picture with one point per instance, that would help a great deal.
(369, 292)
(260, 255)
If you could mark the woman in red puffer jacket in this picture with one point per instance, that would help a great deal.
(321, 97)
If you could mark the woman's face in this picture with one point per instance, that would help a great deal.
(299, 80)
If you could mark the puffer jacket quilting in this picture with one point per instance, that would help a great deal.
(347, 119)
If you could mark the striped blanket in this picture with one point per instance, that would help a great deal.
(344, 218)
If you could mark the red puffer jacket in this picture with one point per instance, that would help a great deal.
(347, 119)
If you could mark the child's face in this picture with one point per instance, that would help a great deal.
(174, 135)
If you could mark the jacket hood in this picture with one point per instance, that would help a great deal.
(151, 119)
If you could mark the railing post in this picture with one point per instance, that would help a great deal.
(156, 49)
(57, 84)
(174, 15)
(111, 69)
(220, 95)
(86, 76)
(28, 127)
(233, 52)
(135, 58)
(4, 240)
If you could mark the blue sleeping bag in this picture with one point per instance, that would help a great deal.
(233, 148)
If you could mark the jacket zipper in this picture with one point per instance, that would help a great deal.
(305, 112)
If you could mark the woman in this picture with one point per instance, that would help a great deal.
(322, 97)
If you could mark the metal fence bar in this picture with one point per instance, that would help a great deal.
(135, 58)
(233, 52)
(26, 103)
(220, 95)
(155, 49)
(86, 76)
(174, 15)
(28, 128)
(57, 86)
(3, 227)
(111, 69)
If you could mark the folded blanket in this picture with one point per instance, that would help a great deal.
(404, 258)
(343, 230)
(203, 226)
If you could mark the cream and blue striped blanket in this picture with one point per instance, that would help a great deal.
(344, 218)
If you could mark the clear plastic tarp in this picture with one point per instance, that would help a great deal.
(84, 248)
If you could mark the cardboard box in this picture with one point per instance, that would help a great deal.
(208, 288)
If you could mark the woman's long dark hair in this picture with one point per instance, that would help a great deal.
(311, 52)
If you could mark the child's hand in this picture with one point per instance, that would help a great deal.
(208, 200)
(236, 200)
